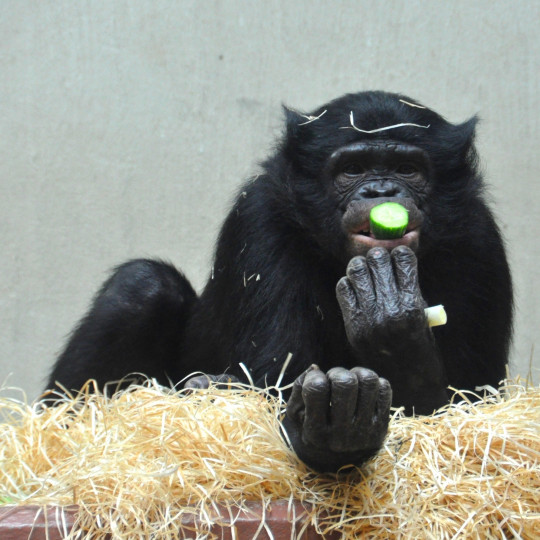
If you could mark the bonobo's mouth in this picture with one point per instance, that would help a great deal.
(361, 239)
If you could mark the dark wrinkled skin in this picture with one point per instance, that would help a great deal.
(338, 418)
(203, 382)
(383, 312)
(297, 271)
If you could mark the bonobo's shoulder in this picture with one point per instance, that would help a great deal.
(257, 199)
(264, 186)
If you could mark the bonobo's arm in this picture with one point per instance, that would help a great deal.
(342, 417)
(383, 312)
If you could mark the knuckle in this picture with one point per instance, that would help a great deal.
(357, 267)
(315, 382)
(378, 256)
(345, 293)
(392, 309)
(384, 387)
(404, 260)
(403, 253)
(199, 382)
(357, 261)
(408, 298)
(365, 376)
(298, 384)
(343, 286)
(341, 376)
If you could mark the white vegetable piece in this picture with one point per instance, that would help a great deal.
(436, 315)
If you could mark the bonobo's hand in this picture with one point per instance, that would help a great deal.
(383, 313)
(202, 382)
(381, 300)
(339, 418)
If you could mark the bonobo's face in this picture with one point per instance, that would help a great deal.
(367, 173)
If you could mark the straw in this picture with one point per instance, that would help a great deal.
(138, 462)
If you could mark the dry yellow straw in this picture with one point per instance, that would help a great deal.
(136, 463)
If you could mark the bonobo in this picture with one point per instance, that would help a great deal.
(298, 271)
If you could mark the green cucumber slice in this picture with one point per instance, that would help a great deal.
(388, 221)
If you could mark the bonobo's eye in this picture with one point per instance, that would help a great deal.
(407, 169)
(353, 169)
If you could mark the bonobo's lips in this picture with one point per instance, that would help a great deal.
(361, 240)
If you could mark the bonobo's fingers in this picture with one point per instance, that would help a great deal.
(316, 396)
(384, 282)
(406, 271)
(375, 394)
(368, 394)
(202, 382)
(384, 401)
(199, 382)
(295, 405)
(344, 394)
(361, 281)
(346, 297)
(356, 297)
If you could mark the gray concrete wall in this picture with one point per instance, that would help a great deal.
(126, 127)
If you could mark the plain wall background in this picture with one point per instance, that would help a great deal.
(127, 126)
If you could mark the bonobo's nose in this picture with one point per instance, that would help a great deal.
(381, 188)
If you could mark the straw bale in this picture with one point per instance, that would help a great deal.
(136, 463)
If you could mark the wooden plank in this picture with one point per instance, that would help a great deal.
(53, 523)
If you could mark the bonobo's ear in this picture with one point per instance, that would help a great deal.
(293, 120)
(451, 146)
(298, 136)
(463, 139)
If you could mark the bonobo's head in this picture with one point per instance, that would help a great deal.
(366, 173)
(367, 148)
